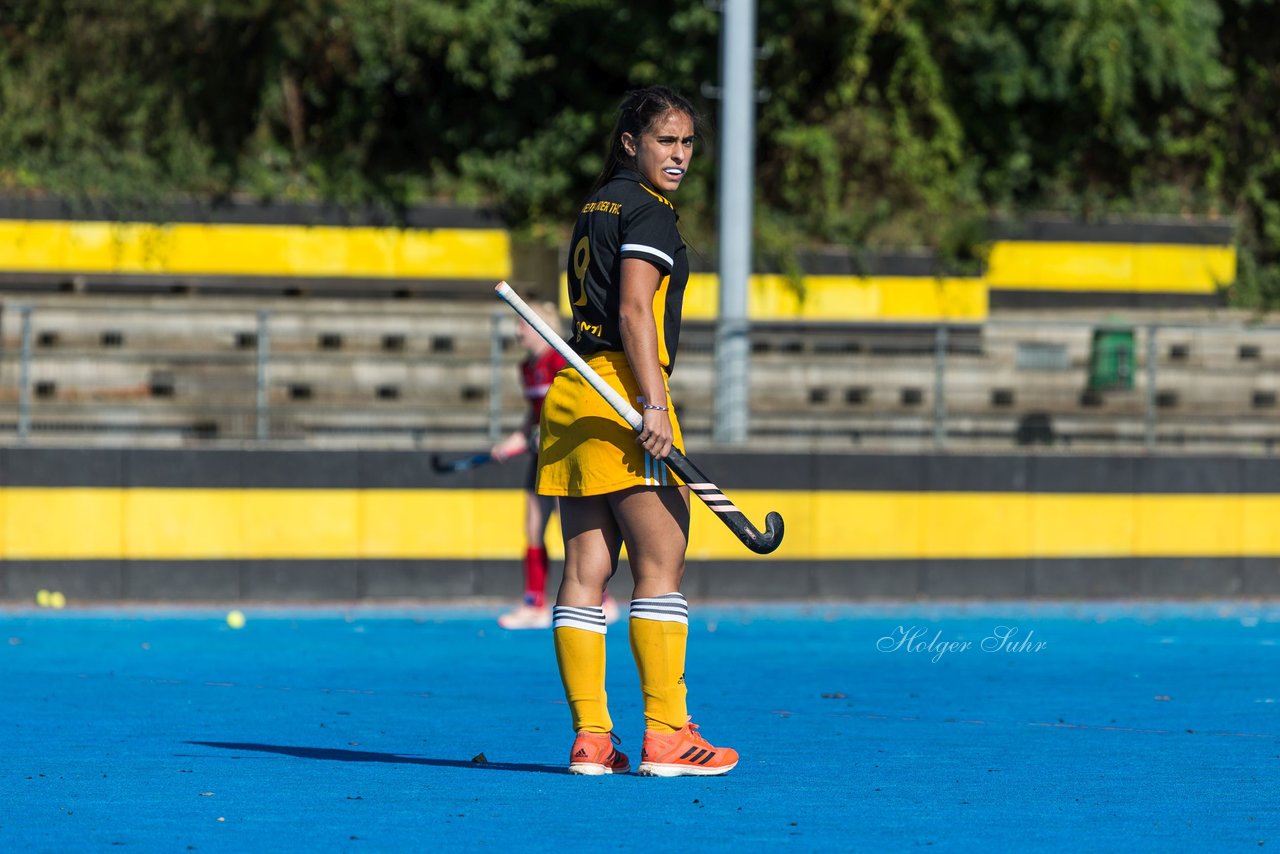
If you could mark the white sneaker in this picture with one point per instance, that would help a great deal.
(526, 617)
(611, 610)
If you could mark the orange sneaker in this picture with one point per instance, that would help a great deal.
(594, 753)
(684, 753)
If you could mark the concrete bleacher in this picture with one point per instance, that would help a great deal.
(189, 368)
(182, 370)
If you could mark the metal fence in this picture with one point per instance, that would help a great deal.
(417, 375)
(202, 372)
(1064, 384)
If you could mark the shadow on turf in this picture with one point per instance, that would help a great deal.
(338, 755)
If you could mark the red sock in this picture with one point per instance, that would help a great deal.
(535, 577)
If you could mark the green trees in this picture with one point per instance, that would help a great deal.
(887, 123)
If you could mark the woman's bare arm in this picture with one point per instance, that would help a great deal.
(639, 331)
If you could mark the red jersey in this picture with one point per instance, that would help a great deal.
(536, 374)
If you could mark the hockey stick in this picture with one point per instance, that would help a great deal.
(464, 464)
(759, 542)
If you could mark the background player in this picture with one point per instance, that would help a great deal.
(537, 369)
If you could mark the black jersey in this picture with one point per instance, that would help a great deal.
(625, 219)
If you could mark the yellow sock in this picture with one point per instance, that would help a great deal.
(659, 630)
(579, 638)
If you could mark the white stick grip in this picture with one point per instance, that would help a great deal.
(617, 401)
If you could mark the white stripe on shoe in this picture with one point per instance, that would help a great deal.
(663, 769)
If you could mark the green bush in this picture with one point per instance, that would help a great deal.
(883, 125)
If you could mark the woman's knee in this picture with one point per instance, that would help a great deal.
(655, 524)
(656, 582)
(592, 543)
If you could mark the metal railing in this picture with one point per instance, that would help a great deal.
(199, 372)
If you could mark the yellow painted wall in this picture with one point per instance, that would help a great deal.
(253, 250)
(219, 249)
(1012, 265)
(143, 524)
(902, 299)
(846, 298)
(1171, 268)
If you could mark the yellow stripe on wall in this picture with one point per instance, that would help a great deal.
(152, 524)
(845, 298)
(253, 250)
(213, 249)
(1011, 265)
(149, 524)
(838, 298)
(1174, 268)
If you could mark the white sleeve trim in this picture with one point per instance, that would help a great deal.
(648, 250)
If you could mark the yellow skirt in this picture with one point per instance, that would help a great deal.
(585, 448)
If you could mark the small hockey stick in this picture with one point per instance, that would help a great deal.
(751, 536)
(438, 463)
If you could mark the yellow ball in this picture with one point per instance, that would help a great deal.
(57, 600)
(235, 619)
(42, 598)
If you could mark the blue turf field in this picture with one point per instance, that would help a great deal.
(1135, 726)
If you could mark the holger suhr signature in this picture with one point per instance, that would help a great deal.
(917, 639)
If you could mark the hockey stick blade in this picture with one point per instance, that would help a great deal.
(751, 536)
(760, 542)
(464, 464)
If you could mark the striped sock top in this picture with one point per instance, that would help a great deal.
(574, 617)
(669, 608)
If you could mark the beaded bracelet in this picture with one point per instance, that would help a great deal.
(655, 407)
